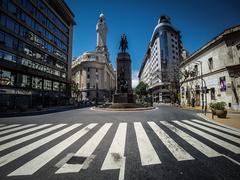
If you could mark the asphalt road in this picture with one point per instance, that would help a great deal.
(165, 143)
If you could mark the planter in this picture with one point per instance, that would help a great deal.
(221, 113)
(213, 112)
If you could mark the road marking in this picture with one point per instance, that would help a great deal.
(35, 164)
(217, 127)
(206, 150)
(86, 150)
(23, 132)
(147, 153)
(16, 129)
(115, 157)
(224, 135)
(2, 124)
(9, 126)
(31, 136)
(177, 151)
(26, 149)
(209, 137)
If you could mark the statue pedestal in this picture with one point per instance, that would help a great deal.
(124, 98)
(124, 80)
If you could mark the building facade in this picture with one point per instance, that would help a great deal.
(92, 72)
(35, 53)
(161, 60)
(214, 72)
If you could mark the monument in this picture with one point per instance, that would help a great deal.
(124, 93)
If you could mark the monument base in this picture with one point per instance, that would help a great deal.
(124, 98)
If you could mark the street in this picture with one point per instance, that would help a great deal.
(164, 143)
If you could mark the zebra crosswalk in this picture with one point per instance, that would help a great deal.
(18, 140)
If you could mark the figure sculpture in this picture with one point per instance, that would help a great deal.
(123, 43)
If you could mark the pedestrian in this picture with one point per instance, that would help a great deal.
(193, 102)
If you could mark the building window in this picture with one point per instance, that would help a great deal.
(7, 78)
(24, 80)
(55, 86)
(88, 69)
(96, 69)
(7, 56)
(47, 84)
(88, 76)
(88, 85)
(210, 63)
(36, 83)
(213, 94)
(196, 69)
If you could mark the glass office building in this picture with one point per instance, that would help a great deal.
(35, 53)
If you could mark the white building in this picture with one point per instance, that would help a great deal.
(218, 63)
(161, 61)
(92, 71)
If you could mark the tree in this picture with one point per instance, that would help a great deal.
(141, 89)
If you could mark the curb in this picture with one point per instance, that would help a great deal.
(123, 110)
(207, 119)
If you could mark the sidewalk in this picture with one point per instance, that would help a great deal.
(232, 120)
(31, 112)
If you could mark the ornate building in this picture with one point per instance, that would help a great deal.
(216, 68)
(92, 71)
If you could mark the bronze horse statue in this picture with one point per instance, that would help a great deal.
(123, 43)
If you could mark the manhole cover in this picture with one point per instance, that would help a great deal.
(76, 160)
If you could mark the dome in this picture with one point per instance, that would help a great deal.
(101, 15)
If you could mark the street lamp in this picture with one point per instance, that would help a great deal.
(204, 89)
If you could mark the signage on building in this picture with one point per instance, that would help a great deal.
(222, 83)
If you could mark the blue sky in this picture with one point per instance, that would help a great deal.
(198, 21)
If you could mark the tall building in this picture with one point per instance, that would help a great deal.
(215, 70)
(92, 71)
(160, 63)
(35, 53)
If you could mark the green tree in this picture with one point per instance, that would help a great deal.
(141, 89)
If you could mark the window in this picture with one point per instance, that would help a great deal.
(47, 84)
(56, 86)
(88, 76)
(36, 83)
(7, 56)
(88, 69)
(24, 80)
(88, 85)
(238, 46)
(212, 93)
(210, 64)
(7, 78)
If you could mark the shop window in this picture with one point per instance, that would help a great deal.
(213, 94)
(56, 86)
(36, 83)
(47, 84)
(7, 78)
(24, 80)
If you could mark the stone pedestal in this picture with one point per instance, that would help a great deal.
(124, 93)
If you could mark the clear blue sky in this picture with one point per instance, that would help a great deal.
(199, 21)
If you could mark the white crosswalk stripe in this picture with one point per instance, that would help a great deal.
(23, 132)
(26, 149)
(9, 126)
(2, 125)
(86, 150)
(218, 127)
(16, 128)
(224, 135)
(148, 154)
(178, 152)
(31, 136)
(209, 152)
(35, 164)
(115, 158)
(209, 137)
